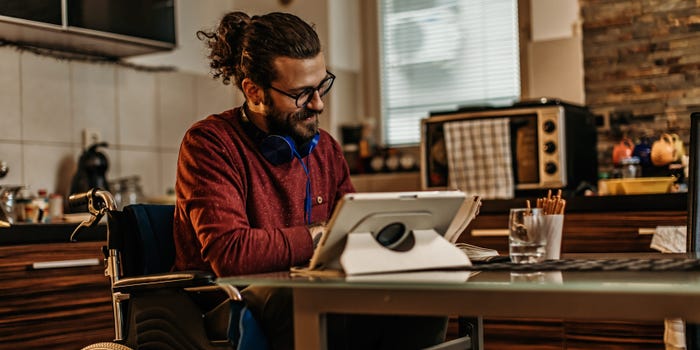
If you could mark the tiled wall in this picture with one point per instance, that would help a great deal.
(45, 103)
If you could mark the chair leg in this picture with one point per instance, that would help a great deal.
(474, 328)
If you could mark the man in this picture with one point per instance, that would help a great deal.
(256, 183)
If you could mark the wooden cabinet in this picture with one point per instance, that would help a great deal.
(44, 306)
(584, 232)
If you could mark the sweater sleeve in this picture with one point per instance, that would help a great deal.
(212, 192)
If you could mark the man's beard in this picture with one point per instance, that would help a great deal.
(293, 124)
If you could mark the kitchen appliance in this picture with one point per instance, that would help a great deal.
(552, 145)
(91, 172)
(8, 198)
(4, 169)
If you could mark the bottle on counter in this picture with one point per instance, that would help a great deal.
(24, 198)
(116, 189)
(28, 208)
(602, 183)
(42, 204)
(643, 151)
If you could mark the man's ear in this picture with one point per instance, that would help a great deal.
(253, 92)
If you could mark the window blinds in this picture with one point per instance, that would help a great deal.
(442, 54)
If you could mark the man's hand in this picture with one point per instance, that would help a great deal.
(316, 232)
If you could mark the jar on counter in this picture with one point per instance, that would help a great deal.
(116, 189)
(55, 210)
(131, 192)
(24, 199)
(630, 167)
(42, 204)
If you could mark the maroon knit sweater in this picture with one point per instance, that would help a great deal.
(236, 213)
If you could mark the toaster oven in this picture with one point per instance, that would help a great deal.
(550, 146)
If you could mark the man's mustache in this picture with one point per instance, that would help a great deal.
(305, 113)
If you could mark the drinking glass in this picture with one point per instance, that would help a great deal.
(527, 236)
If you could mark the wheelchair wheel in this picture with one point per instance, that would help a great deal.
(106, 346)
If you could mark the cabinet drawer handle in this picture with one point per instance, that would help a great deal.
(40, 265)
(490, 232)
(646, 231)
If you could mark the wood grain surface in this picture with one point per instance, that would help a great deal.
(55, 308)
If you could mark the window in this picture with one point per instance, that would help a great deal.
(439, 55)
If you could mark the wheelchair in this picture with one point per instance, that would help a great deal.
(153, 307)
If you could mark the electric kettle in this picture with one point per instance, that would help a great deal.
(92, 168)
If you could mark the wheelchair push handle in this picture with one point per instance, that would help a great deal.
(78, 200)
(98, 202)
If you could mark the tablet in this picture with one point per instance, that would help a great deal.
(389, 216)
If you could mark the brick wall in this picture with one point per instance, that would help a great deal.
(642, 67)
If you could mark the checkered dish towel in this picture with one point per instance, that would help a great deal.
(479, 157)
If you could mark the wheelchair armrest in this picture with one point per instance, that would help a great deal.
(182, 279)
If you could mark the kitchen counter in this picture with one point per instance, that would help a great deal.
(60, 232)
(49, 233)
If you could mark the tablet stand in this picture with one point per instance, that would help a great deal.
(363, 254)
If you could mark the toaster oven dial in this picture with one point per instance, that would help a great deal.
(550, 147)
(550, 168)
(549, 126)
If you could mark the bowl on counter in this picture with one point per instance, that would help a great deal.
(640, 185)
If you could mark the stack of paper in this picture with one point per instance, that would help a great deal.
(476, 253)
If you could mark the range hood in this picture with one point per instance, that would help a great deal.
(105, 28)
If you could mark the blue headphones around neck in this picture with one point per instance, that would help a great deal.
(278, 149)
(282, 149)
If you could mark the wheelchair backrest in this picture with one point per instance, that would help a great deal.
(146, 232)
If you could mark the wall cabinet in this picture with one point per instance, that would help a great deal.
(107, 28)
(45, 306)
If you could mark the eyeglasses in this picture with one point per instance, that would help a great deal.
(304, 97)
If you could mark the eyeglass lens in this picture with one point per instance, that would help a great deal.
(323, 88)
